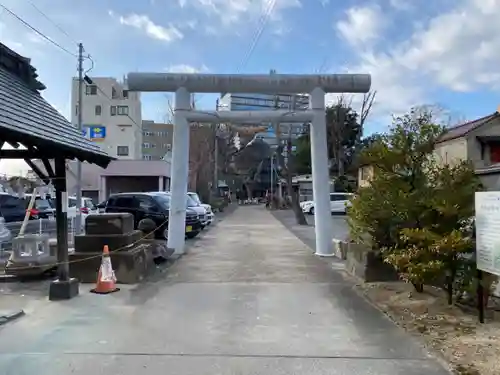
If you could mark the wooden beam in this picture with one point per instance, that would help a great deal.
(48, 168)
(38, 171)
(25, 154)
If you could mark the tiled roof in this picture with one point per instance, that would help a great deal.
(464, 129)
(24, 111)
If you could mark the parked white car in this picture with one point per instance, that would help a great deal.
(208, 208)
(87, 207)
(338, 203)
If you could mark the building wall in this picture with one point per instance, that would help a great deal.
(452, 151)
(119, 117)
(92, 175)
(122, 184)
(156, 139)
(491, 181)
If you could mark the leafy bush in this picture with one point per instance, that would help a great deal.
(414, 209)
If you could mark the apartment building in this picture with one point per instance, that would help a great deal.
(269, 102)
(156, 140)
(111, 116)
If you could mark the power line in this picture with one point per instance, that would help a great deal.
(38, 32)
(263, 20)
(57, 26)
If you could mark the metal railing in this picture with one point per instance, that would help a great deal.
(40, 226)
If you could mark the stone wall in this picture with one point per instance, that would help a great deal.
(363, 262)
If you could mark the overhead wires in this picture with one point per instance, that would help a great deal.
(38, 32)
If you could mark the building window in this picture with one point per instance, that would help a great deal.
(114, 94)
(123, 110)
(113, 110)
(122, 150)
(146, 157)
(146, 145)
(91, 90)
(153, 145)
(98, 110)
(125, 94)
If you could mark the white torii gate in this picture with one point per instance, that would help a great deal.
(185, 84)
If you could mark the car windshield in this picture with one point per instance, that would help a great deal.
(163, 200)
(89, 204)
(191, 202)
(42, 204)
(195, 197)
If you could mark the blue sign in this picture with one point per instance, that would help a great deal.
(95, 133)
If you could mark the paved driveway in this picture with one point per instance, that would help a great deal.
(340, 229)
(249, 299)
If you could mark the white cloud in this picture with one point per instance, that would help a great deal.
(402, 4)
(362, 24)
(456, 50)
(236, 11)
(168, 34)
(184, 68)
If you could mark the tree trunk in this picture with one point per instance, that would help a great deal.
(294, 196)
(419, 287)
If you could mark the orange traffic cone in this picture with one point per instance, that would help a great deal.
(106, 280)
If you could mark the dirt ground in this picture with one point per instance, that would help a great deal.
(456, 336)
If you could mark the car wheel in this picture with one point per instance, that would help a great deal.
(311, 211)
(191, 235)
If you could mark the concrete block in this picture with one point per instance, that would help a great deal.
(367, 264)
(31, 256)
(63, 290)
(339, 248)
(112, 223)
(30, 246)
(130, 266)
(94, 243)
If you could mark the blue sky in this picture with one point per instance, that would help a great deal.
(444, 52)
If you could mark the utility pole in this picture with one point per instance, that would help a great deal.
(215, 184)
(78, 221)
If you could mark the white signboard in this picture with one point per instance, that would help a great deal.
(488, 231)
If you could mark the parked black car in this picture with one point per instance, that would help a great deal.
(12, 208)
(151, 206)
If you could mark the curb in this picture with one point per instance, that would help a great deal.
(6, 317)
